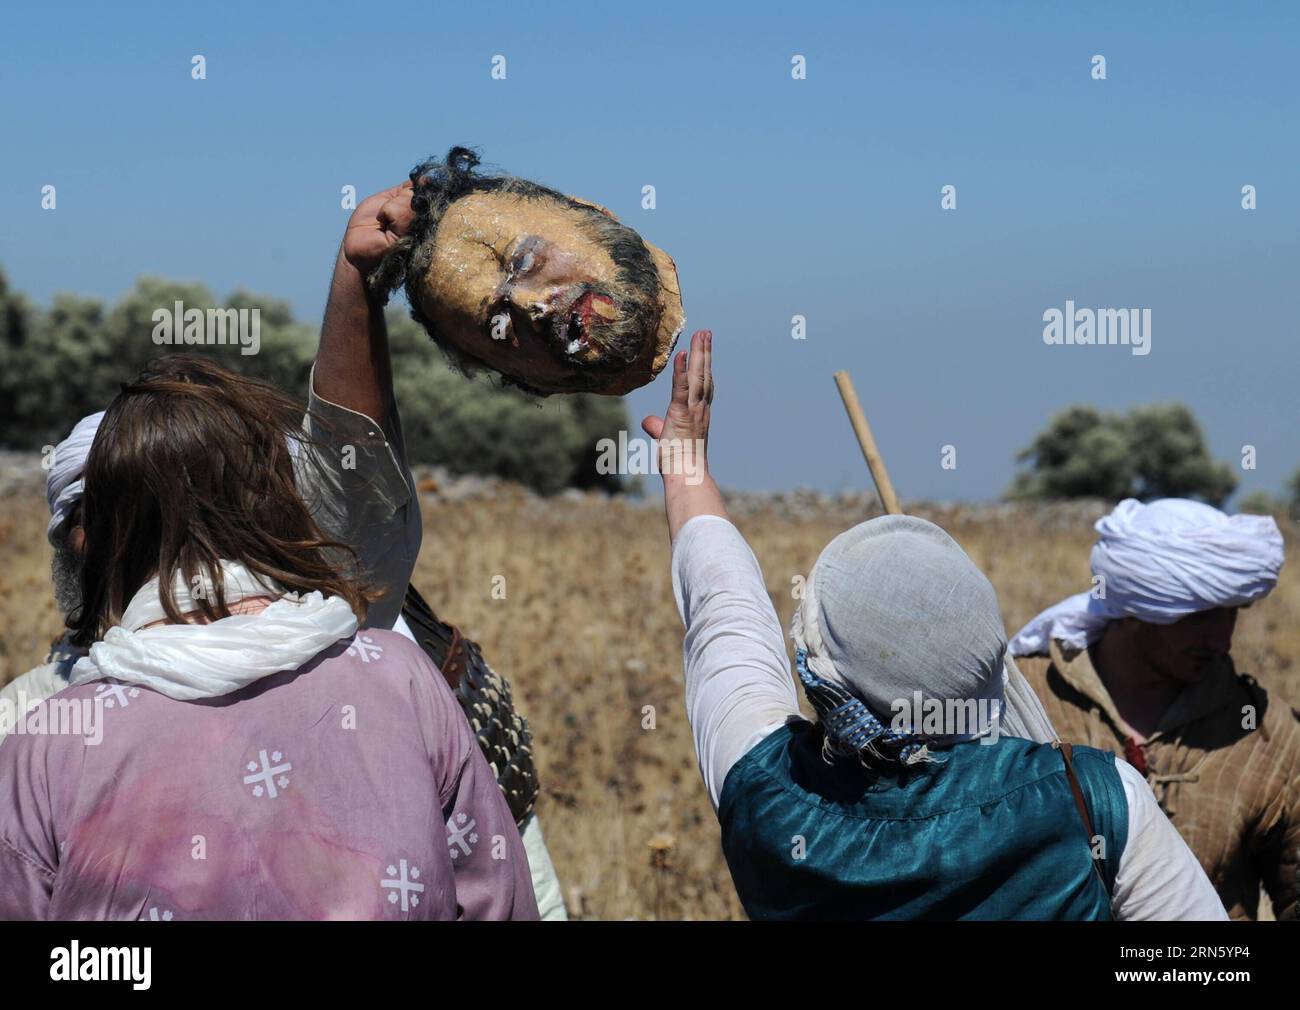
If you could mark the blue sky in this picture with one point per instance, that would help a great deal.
(777, 197)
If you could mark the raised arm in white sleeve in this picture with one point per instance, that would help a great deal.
(738, 683)
(1159, 879)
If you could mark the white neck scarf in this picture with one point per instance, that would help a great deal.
(192, 661)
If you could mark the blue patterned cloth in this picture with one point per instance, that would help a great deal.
(850, 726)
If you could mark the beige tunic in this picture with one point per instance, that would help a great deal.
(1232, 790)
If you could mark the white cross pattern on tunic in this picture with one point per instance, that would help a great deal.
(269, 775)
(406, 886)
(364, 647)
(116, 694)
(459, 837)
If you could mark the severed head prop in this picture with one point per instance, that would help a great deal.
(551, 291)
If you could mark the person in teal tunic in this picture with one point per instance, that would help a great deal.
(930, 785)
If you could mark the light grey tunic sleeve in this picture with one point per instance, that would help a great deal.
(738, 683)
(1158, 878)
(356, 480)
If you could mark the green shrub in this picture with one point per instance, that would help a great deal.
(59, 364)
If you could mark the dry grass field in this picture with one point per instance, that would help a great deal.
(589, 636)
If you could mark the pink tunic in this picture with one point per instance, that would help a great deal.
(351, 788)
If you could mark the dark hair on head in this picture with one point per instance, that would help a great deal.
(440, 183)
(192, 465)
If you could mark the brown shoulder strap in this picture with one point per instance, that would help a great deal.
(1067, 755)
(443, 642)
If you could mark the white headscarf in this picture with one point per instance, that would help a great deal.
(895, 606)
(191, 661)
(63, 483)
(1161, 562)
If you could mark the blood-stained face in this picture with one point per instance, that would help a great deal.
(529, 286)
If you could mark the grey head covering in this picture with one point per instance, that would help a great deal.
(896, 615)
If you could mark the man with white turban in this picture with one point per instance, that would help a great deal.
(63, 492)
(63, 483)
(907, 798)
(1140, 665)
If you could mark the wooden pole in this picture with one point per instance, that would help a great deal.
(875, 462)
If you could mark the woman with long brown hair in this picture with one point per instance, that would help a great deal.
(245, 751)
